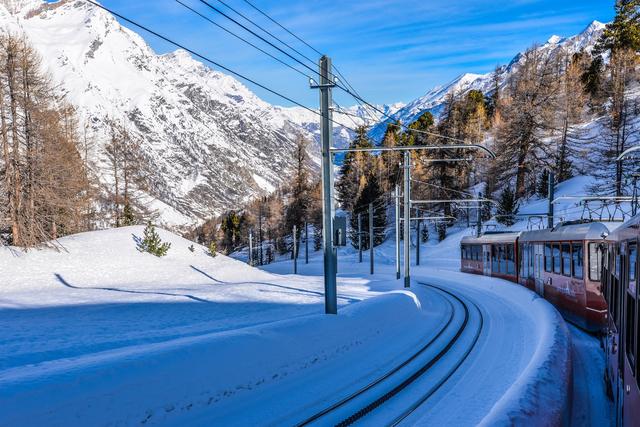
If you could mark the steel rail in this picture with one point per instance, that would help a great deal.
(417, 374)
(380, 379)
(444, 379)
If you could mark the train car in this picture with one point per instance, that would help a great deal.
(562, 264)
(492, 254)
(620, 285)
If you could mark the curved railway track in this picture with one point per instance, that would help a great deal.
(383, 389)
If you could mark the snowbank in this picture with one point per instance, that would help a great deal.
(543, 393)
(152, 383)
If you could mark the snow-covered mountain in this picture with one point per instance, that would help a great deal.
(433, 100)
(210, 143)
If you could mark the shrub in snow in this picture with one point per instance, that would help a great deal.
(192, 248)
(441, 228)
(152, 243)
(213, 248)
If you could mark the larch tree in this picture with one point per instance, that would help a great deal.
(45, 182)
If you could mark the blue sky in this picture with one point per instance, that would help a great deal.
(393, 50)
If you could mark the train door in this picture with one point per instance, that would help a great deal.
(539, 266)
(486, 260)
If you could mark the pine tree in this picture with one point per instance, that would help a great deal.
(230, 227)
(391, 160)
(151, 242)
(355, 168)
(128, 218)
(213, 249)
(543, 184)
(371, 193)
(592, 78)
(507, 207)
(298, 207)
(624, 32)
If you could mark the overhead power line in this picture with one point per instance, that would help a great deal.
(282, 26)
(204, 58)
(249, 30)
(351, 91)
(342, 77)
(211, 61)
(242, 39)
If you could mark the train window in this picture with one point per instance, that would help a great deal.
(633, 255)
(495, 263)
(577, 257)
(594, 263)
(556, 258)
(548, 258)
(566, 259)
(511, 259)
(630, 329)
(477, 249)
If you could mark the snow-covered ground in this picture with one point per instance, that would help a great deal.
(103, 334)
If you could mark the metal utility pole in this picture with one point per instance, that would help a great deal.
(550, 194)
(251, 247)
(407, 216)
(418, 222)
(479, 218)
(397, 200)
(306, 242)
(371, 237)
(260, 232)
(360, 237)
(295, 250)
(326, 132)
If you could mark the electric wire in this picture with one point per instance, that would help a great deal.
(242, 39)
(249, 30)
(351, 91)
(266, 31)
(341, 76)
(282, 26)
(211, 61)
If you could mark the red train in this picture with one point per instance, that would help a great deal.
(561, 264)
(620, 284)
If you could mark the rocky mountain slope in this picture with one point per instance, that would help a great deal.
(209, 142)
(433, 100)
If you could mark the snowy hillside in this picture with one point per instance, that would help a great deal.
(433, 100)
(105, 335)
(209, 142)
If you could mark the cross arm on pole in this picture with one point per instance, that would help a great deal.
(417, 148)
(626, 152)
(434, 202)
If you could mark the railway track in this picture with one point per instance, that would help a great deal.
(429, 366)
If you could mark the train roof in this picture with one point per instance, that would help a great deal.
(626, 230)
(568, 231)
(492, 237)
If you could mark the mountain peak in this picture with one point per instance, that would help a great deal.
(554, 39)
